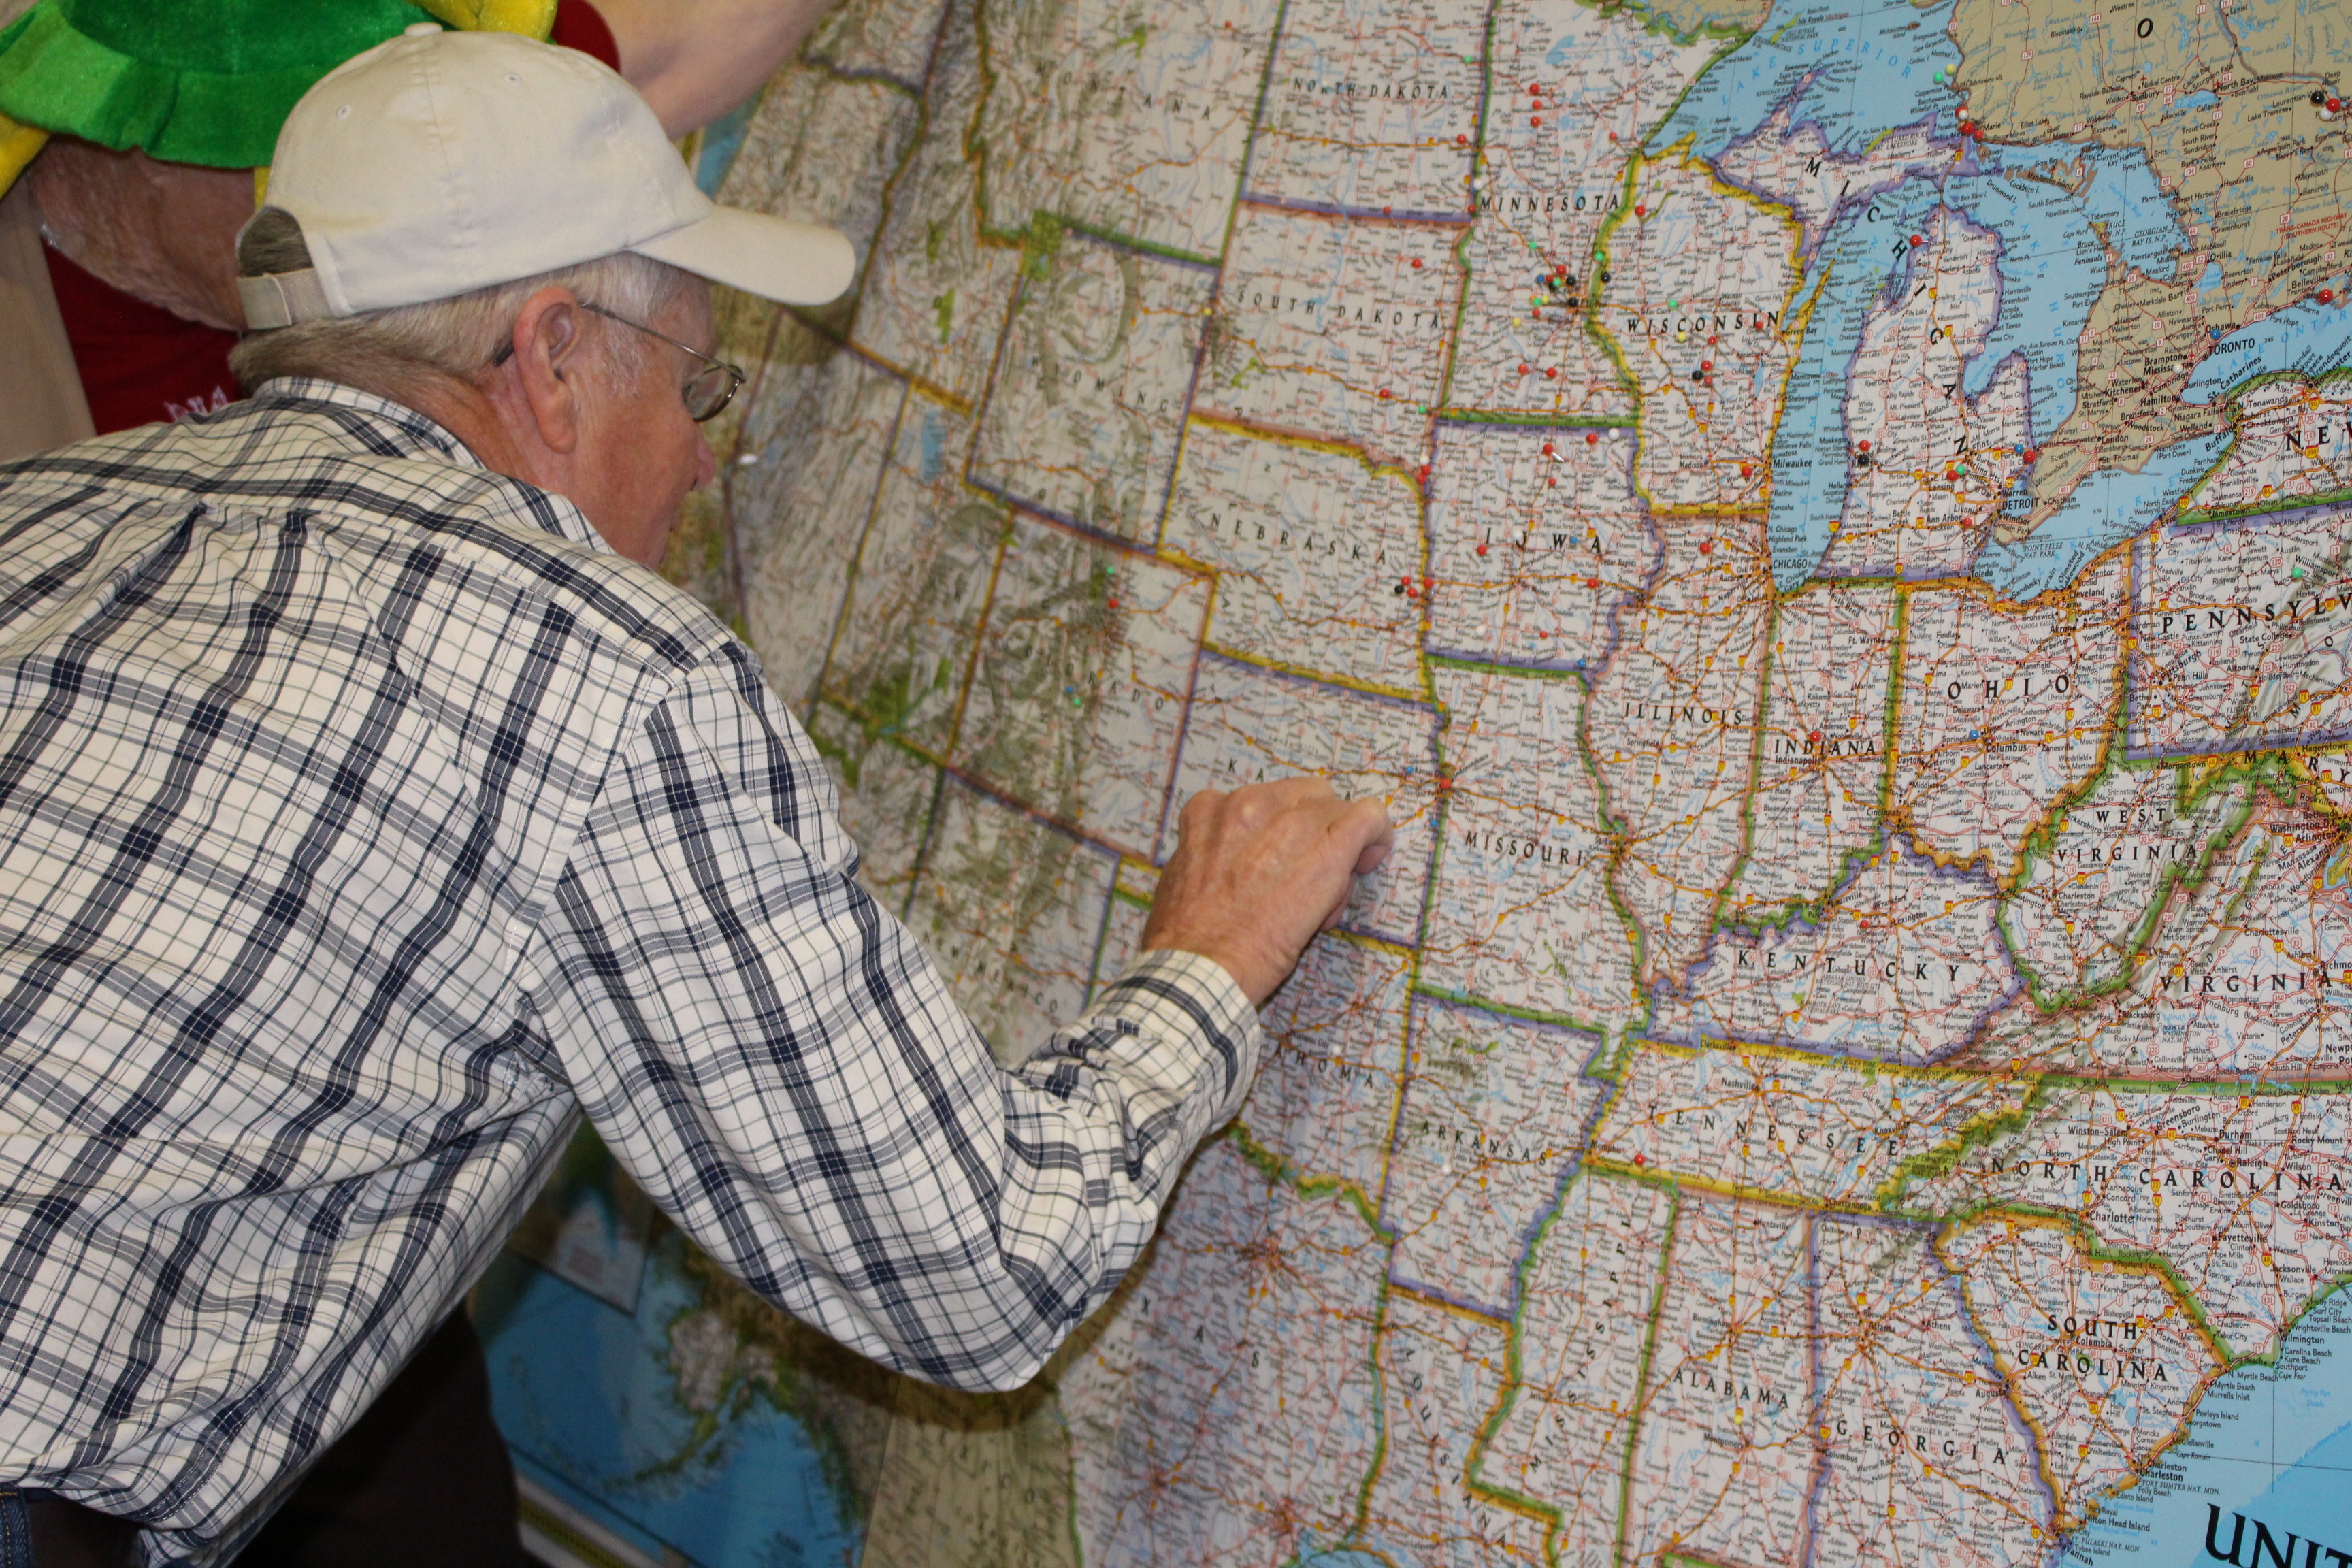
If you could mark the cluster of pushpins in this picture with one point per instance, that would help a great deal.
(1862, 459)
(2326, 102)
(1969, 129)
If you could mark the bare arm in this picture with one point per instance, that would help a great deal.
(696, 59)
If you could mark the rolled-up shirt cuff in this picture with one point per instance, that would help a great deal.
(1189, 997)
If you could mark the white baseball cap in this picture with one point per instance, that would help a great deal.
(440, 162)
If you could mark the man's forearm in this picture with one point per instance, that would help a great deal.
(787, 1072)
(695, 60)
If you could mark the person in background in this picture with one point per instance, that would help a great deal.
(134, 132)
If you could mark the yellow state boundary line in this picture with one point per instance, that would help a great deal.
(1320, 676)
(1604, 1165)
(1459, 1310)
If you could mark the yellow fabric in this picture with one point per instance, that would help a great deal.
(532, 18)
(18, 145)
(260, 186)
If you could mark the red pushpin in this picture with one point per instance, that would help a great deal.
(1747, 470)
(1862, 446)
(1482, 550)
(1384, 394)
(1535, 119)
(1523, 369)
(1424, 471)
(1551, 374)
(2327, 296)
(1917, 240)
(1707, 547)
(1461, 140)
(1592, 582)
(1641, 210)
(2032, 453)
(1706, 364)
(1548, 448)
(1390, 212)
(1814, 736)
(1416, 264)
(1114, 601)
(1592, 438)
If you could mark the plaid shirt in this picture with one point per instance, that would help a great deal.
(364, 815)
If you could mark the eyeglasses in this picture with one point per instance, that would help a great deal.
(706, 393)
(707, 390)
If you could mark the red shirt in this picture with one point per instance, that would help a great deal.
(139, 362)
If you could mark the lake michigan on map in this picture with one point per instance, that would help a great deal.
(2272, 1445)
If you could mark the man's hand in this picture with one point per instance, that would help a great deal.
(1256, 873)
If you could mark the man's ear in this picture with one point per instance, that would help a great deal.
(548, 354)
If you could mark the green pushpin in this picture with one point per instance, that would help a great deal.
(2297, 572)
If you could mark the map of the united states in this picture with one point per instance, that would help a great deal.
(1827, 522)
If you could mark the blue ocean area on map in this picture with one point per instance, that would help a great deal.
(590, 1402)
(2270, 1444)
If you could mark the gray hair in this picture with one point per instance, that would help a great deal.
(393, 350)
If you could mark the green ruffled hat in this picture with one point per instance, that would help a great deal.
(198, 82)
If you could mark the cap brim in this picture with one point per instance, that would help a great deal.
(776, 258)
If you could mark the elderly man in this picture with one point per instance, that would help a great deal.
(370, 810)
(142, 123)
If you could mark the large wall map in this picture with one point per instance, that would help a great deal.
(1828, 521)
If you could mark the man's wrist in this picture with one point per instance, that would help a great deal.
(1257, 978)
(1174, 992)
(1209, 969)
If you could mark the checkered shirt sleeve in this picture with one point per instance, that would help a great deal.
(363, 817)
(780, 1062)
